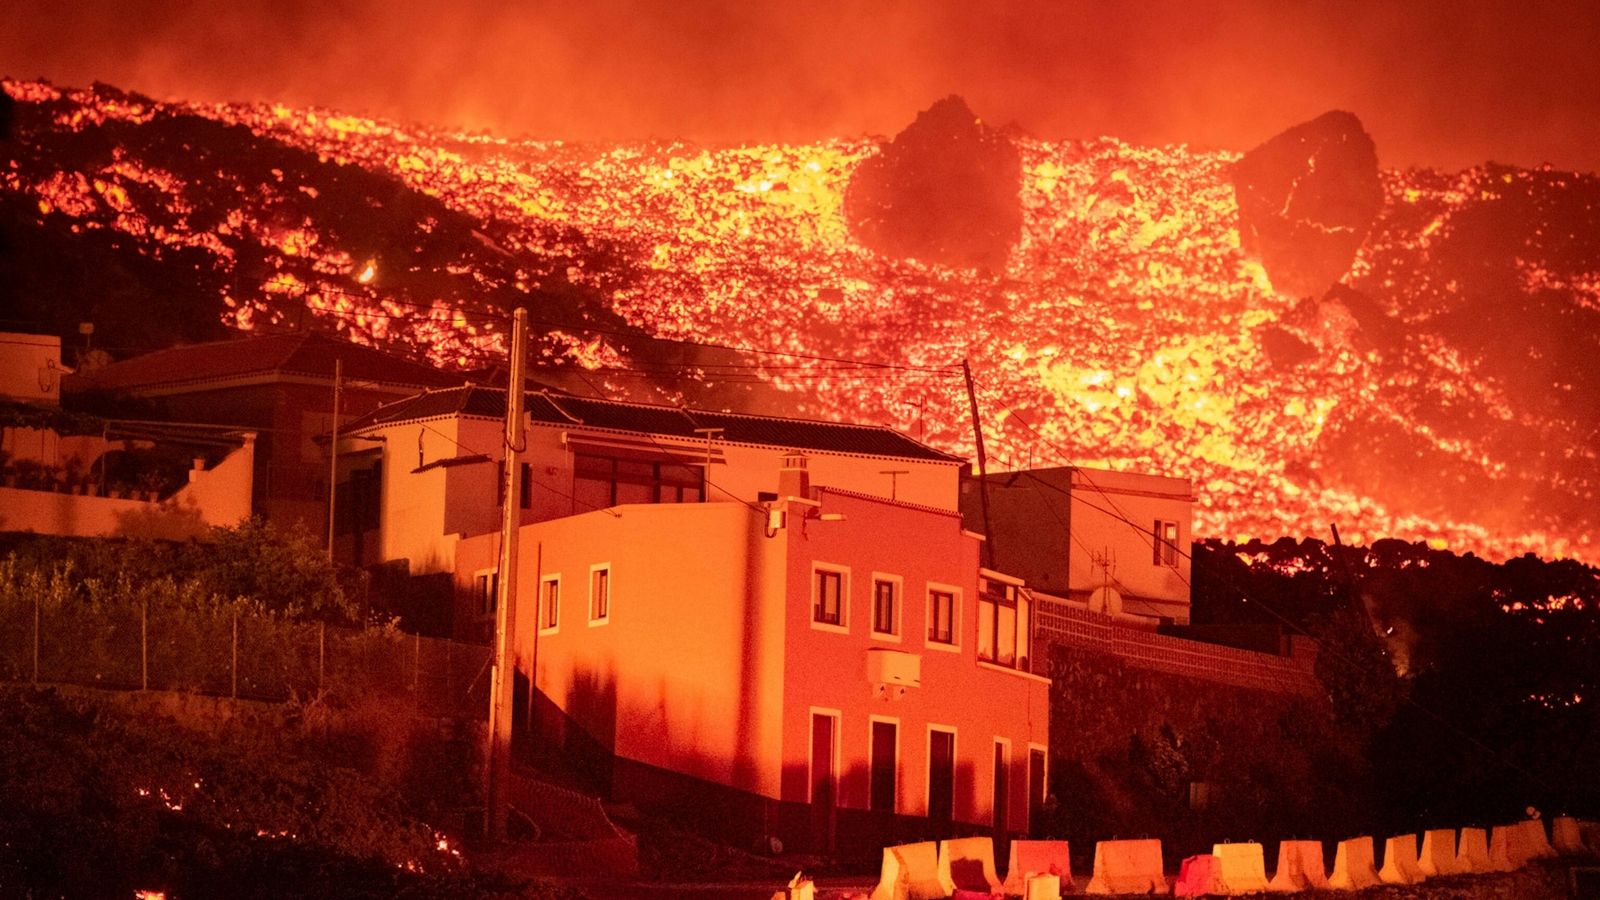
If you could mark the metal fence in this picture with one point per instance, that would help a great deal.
(234, 651)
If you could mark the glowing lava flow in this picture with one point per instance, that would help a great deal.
(1128, 329)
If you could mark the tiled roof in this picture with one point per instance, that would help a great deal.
(773, 431)
(301, 353)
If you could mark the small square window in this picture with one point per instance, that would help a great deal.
(486, 592)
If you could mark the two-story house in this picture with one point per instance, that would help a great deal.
(826, 666)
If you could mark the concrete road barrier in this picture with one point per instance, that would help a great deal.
(1400, 861)
(1042, 887)
(1035, 858)
(1536, 840)
(1128, 867)
(1504, 855)
(1244, 867)
(1300, 867)
(1199, 876)
(967, 864)
(1567, 837)
(1472, 852)
(1352, 866)
(1438, 855)
(911, 872)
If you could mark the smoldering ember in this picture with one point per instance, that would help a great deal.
(887, 451)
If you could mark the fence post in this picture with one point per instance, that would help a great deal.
(144, 645)
(322, 653)
(35, 638)
(416, 661)
(236, 652)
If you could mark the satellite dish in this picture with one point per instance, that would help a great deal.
(1106, 599)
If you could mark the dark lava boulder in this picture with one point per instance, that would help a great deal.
(1307, 199)
(944, 190)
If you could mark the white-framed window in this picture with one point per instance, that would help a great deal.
(1165, 543)
(940, 799)
(599, 593)
(485, 592)
(1005, 624)
(550, 604)
(830, 597)
(887, 606)
(944, 617)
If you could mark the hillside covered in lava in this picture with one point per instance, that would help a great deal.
(1310, 337)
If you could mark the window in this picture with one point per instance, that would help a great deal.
(885, 606)
(827, 599)
(486, 591)
(1165, 544)
(942, 613)
(525, 484)
(549, 604)
(599, 594)
(603, 481)
(1005, 624)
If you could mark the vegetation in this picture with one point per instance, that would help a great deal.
(101, 801)
(1471, 688)
(284, 571)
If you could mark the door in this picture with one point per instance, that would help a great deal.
(941, 775)
(1036, 789)
(885, 741)
(1002, 796)
(824, 779)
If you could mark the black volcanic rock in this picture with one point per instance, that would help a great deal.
(1307, 199)
(944, 190)
(6, 106)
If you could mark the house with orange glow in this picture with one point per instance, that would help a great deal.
(777, 625)
(1110, 542)
(828, 667)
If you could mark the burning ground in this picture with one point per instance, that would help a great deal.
(1309, 337)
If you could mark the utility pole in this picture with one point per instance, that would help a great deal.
(983, 466)
(333, 451)
(501, 679)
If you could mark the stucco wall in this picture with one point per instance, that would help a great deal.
(827, 669)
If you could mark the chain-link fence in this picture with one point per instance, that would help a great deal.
(48, 635)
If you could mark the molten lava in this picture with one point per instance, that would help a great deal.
(1126, 329)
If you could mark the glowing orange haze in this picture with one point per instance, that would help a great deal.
(1127, 325)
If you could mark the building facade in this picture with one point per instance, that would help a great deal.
(1112, 542)
(822, 666)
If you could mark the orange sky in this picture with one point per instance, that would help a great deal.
(1445, 84)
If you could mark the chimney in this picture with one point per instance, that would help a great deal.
(793, 479)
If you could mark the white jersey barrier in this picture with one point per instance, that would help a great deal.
(1400, 861)
(1300, 867)
(1567, 837)
(1128, 867)
(910, 872)
(1352, 866)
(1243, 867)
(967, 864)
(1472, 852)
(1504, 853)
(1438, 855)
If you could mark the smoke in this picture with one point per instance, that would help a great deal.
(1437, 84)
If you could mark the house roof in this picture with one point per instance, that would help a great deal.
(307, 353)
(564, 410)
